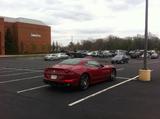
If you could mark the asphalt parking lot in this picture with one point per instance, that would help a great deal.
(23, 95)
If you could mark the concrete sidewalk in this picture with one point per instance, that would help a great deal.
(27, 55)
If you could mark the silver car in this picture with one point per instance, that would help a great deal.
(120, 59)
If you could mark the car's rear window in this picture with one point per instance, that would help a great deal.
(71, 61)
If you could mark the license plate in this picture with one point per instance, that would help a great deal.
(53, 76)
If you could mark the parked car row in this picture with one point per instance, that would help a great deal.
(102, 54)
(120, 54)
(76, 54)
(140, 54)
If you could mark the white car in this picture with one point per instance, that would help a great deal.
(56, 56)
(154, 55)
(62, 55)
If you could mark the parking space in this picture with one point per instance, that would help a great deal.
(22, 89)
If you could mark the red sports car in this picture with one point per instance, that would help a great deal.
(80, 72)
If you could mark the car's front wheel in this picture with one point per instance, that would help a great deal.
(84, 82)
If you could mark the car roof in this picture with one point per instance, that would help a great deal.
(83, 60)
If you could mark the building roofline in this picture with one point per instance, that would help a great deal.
(23, 20)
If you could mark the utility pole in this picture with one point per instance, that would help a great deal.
(146, 36)
(145, 73)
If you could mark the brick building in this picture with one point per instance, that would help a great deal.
(24, 35)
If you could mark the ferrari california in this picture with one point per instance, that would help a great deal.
(79, 72)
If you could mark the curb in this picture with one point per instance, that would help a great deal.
(19, 56)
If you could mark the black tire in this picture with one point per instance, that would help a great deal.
(84, 82)
(113, 75)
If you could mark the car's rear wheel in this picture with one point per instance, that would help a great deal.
(113, 75)
(84, 82)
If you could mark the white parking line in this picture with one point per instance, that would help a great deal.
(122, 78)
(2, 82)
(21, 69)
(99, 92)
(33, 88)
(17, 74)
(120, 69)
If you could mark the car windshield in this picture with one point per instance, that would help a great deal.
(71, 61)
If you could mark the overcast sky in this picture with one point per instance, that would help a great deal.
(86, 19)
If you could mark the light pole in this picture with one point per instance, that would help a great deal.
(145, 73)
(146, 36)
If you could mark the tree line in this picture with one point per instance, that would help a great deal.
(113, 43)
